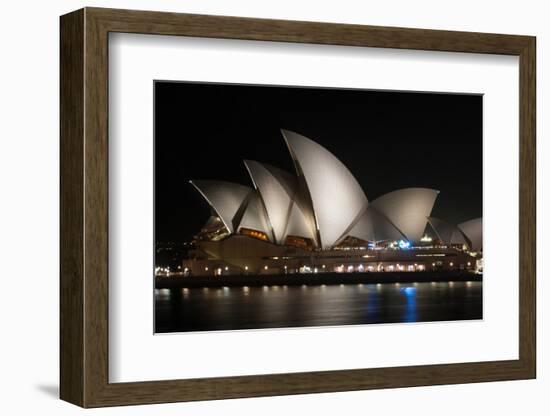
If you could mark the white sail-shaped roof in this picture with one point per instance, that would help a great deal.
(301, 220)
(276, 188)
(286, 213)
(299, 225)
(254, 216)
(447, 232)
(336, 196)
(408, 209)
(228, 199)
(473, 229)
(373, 226)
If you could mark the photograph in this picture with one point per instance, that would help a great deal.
(288, 206)
(278, 203)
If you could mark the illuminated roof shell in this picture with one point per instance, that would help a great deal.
(448, 233)
(254, 216)
(228, 199)
(407, 209)
(375, 227)
(473, 229)
(276, 188)
(336, 196)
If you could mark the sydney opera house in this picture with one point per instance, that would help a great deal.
(319, 219)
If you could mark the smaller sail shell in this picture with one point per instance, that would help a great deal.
(276, 188)
(373, 226)
(254, 216)
(407, 209)
(448, 233)
(473, 229)
(228, 199)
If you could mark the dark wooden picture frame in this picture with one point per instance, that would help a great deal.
(84, 207)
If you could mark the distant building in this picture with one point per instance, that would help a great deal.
(319, 220)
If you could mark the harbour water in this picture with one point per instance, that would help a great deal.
(231, 308)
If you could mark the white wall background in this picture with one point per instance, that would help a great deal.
(29, 85)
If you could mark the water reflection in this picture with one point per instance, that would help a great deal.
(410, 310)
(251, 307)
(373, 304)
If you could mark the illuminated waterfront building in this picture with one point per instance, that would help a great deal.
(320, 220)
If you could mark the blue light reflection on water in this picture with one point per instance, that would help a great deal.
(410, 310)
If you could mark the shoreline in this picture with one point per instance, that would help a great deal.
(162, 282)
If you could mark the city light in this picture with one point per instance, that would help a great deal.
(162, 271)
(305, 269)
(404, 245)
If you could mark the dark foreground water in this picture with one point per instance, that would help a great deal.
(202, 309)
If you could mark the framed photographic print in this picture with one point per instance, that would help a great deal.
(260, 207)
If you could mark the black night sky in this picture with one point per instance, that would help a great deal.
(388, 140)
